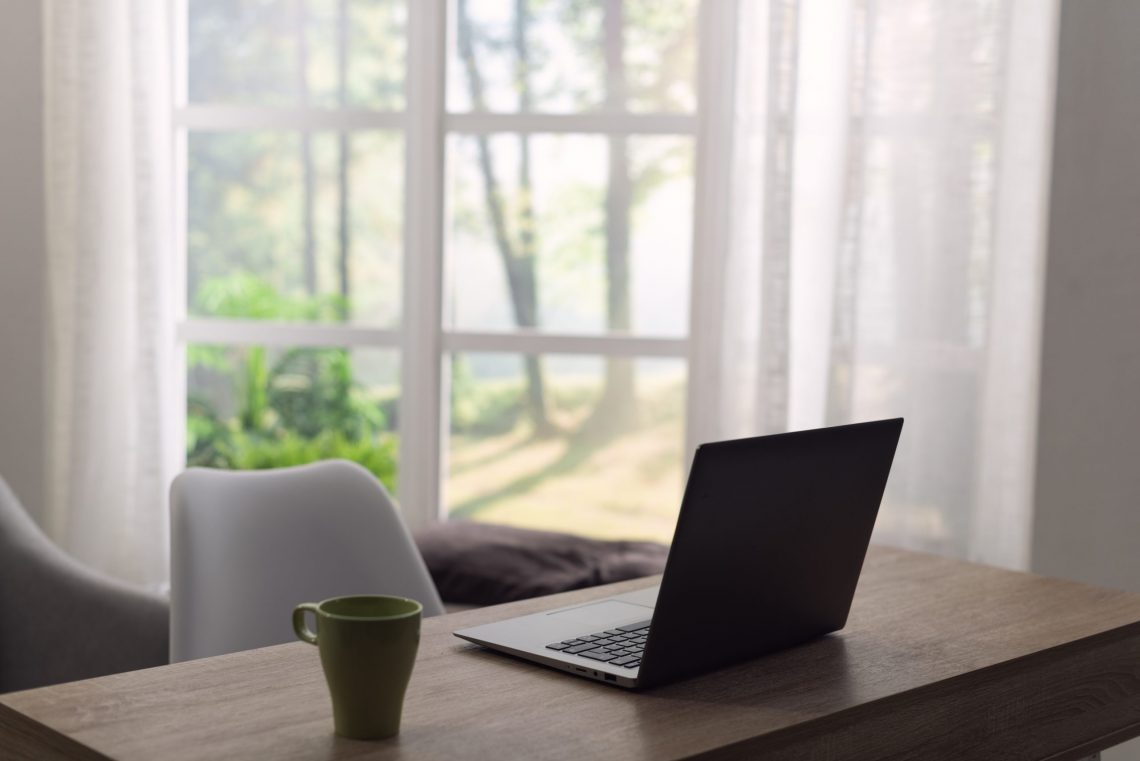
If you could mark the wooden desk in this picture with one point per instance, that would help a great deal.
(940, 660)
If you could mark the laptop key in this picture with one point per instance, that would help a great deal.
(622, 643)
(598, 655)
(576, 649)
(635, 627)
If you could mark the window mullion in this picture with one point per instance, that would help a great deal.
(243, 332)
(618, 187)
(527, 341)
(229, 117)
(422, 388)
(602, 122)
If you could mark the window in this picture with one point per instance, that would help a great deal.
(451, 241)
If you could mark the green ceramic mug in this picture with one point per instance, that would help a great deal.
(368, 646)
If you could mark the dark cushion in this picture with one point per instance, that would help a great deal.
(486, 564)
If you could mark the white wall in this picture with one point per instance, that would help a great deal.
(1088, 465)
(1087, 523)
(21, 251)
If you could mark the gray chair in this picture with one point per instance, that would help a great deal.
(247, 546)
(61, 621)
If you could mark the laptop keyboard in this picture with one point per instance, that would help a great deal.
(621, 646)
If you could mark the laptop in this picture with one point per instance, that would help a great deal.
(766, 554)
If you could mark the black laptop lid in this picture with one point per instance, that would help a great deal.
(769, 543)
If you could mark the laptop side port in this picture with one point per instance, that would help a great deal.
(611, 678)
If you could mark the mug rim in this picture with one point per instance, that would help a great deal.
(394, 617)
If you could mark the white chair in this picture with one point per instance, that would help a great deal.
(247, 546)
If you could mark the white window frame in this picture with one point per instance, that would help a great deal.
(424, 342)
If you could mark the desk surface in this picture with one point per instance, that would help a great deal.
(940, 659)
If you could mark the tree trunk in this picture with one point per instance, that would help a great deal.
(518, 261)
(617, 407)
(527, 254)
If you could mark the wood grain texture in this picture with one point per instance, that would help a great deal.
(24, 739)
(940, 660)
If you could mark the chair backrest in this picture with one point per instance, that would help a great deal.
(247, 546)
(60, 620)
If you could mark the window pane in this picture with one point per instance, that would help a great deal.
(607, 461)
(528, 244)
(560, 54)
(287, 52)
(255, 407)
(660, 54)
(269, 239)
(558, 62)
(661, 233)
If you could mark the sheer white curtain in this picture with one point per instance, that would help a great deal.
(870, 237)
(110, 443)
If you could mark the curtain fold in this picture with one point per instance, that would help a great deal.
(884, 166)
(108, 204)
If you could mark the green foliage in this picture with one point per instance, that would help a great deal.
(378, 455)
(213, 443)
(301, 406)
(244, 295)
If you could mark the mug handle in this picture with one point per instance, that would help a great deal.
(299, 625)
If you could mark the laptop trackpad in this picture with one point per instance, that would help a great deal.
(605, 613)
